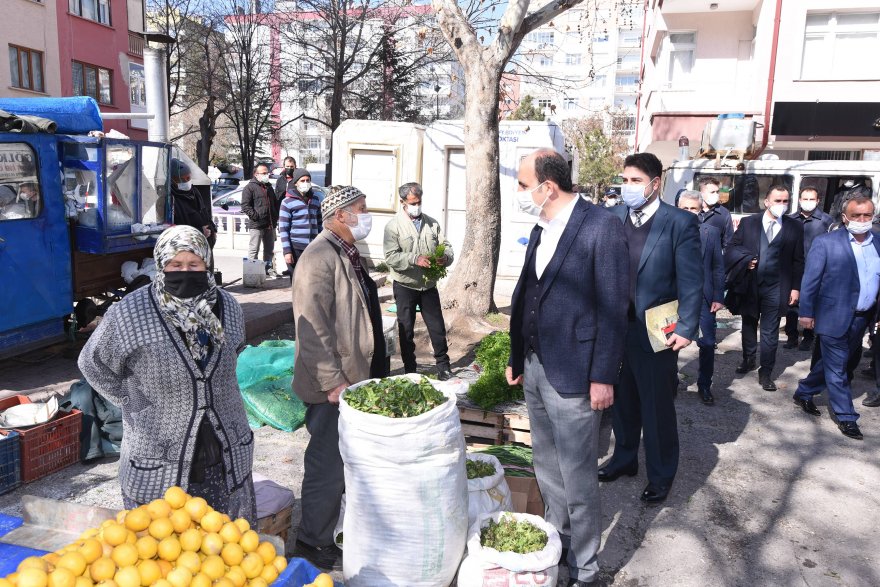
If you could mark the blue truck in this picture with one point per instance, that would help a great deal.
(74, 206)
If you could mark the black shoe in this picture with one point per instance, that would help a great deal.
(872, 401)
(806, 345)
(747, 365)
(850, 429)
(767, 383)
(807, 405)
(608, 474)
(706, 396)
(323, 557)
(444, 374)
(655, 493)
(791, 343)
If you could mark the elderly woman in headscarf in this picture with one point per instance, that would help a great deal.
(166, 356)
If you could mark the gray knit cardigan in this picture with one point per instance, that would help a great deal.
(139, 362)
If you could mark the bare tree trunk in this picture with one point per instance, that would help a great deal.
(207, 132)
(471, 285)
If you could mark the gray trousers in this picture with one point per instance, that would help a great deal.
(565, 447)
(323, 479)
(265, 236)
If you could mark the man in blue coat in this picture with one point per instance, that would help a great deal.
(839, 299)
(713, 294)
(664, 265)
(567, 329)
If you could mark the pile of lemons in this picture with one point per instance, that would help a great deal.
(178, 541)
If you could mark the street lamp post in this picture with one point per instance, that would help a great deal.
(437, 92)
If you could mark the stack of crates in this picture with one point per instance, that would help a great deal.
(10, 461)
(48, 447)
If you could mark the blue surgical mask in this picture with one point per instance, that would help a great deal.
(634, 195)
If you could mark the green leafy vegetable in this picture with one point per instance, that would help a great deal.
(436, 271)
(511, 535)
(491, 388)
(396, 397)
(477, 469)
(516, 460)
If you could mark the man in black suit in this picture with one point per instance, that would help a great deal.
(664, 265)
(776, 243)
(713, 294)
(566, 331)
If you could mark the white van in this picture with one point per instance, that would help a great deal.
(744, 187)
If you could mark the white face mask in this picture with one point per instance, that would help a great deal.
(364, 224)
(634, 195)
(777, 210)
(304, 187)
(414, 210)
(855, 227)
(527, 203)
(262, 177)
(808, 206)
(611, 202)
(185, 186)
(710, 199)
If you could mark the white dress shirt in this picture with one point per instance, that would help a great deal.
(550, 236)
(868, 263)
(647, 212)
(767, 220)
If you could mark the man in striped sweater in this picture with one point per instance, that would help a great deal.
(300, 218)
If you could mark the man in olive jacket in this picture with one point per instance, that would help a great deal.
(410, 239)
(339, 342)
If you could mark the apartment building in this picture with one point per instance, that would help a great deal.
(585, 62)
(805, 70)
(32, 67)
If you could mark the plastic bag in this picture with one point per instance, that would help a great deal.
(406, 495)
(338, 534)
(264, 375)
(487, 495)
(487, 566)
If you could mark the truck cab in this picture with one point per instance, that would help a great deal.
(73, 208)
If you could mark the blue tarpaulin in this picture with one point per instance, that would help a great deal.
(74, 115)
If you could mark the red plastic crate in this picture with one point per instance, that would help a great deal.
(48, 447)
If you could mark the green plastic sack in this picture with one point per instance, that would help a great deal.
(264, 375)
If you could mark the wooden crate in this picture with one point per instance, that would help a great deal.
(276, 524)
(485, 428)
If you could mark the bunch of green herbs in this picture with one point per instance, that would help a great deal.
(491, 388)
(478, 469)
(516, 460)
(435, 272)
(395, 397)
(512, 535)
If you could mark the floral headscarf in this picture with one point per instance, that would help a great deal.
(192, 316)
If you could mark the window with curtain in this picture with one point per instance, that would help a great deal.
(97, 10)
(841, 46)
(90, 80)
(26, 68)
(680, 48)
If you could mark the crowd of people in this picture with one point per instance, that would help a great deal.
(580, 340)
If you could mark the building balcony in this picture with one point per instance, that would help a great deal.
(626, 89)
(699, 6)
(135, 44)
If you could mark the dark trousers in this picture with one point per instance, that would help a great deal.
(323, 479)
(768, 304)
(791, 325)
(706, 344)
(644, 405)
(429, 302)
(830, 370)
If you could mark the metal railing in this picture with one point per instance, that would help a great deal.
(135, 44)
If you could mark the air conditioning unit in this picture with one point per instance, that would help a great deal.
(730, 135)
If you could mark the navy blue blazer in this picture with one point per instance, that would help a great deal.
(713, 264)
(670, 269)
(582, 321)
(830, 287)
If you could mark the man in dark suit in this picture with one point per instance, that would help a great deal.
(566, 331)
(815, 222)
(839, 300)
(713, 294)
(714, 213)
(664, 265)
(777, 244)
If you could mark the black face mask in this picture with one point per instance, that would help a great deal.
(289, 172)
(186, 284)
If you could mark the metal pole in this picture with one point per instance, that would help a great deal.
(157, 94)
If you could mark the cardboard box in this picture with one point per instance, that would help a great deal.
(525, 495)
